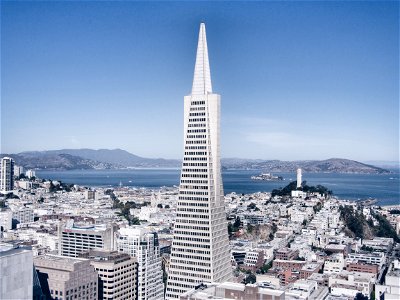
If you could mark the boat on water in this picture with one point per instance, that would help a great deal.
(267, 177)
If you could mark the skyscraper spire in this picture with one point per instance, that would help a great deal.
(202, 77)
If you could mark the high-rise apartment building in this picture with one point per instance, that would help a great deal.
(200, 248)
(6, 174)
(117, 274)
(18, 170)
(139, 242)
(76, 239)
(66, 278)
(16, 272)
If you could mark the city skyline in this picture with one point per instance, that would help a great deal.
(304, 80)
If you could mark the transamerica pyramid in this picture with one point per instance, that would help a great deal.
(200, 247)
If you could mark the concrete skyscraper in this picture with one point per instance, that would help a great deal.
(200, 248)
(6, 175)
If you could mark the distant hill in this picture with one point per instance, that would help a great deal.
(333, 165)
(121, 158)
(53, 161)
(69, 159)
(115, 158)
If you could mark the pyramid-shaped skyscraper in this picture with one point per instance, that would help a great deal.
(200, 248)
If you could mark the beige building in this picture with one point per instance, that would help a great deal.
(66, 278)
(117, 274)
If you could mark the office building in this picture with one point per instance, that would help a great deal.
(139, 242)
(200, 248)
(77, 238)
(117, 274)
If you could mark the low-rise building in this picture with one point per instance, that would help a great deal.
(230, 290)
(286, 254)
(334, 264)
(355, 281)
(377, 258)
(362, 267)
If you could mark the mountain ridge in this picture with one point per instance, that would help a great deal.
(69, 159)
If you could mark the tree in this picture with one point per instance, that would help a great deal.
(251, 206)
(159, 205)
(166, 206)
(251, 278)
(237, 222)
(264, 269)
(360, 296)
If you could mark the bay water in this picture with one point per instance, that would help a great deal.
(385, 188)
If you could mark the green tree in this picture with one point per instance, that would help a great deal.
(251, 278)
(360, 296)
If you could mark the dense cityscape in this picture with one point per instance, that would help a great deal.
(63, 241)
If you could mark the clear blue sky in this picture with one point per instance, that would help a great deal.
(298, 80)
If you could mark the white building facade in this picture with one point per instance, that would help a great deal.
(200, 248)
(139, 242)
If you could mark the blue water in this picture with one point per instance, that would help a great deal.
(385, 188)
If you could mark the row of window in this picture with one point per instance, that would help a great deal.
(195, 158)
(197, 108)
(192, 258)
(187, 250)
(192, 216)
(194, 181)
(176, 267)
(196, 130)
(193, 187)
(197, 102)
(197, 114)
(194, 175)
(193, 239)
(197, 119)
(192, 227)
(196, 136)
(205, 170)
(195, 233)
(189, 221)
(197, 125)
(196, 147)
(181, 192)
(195, 164)
(192, 204)
(195, 210)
